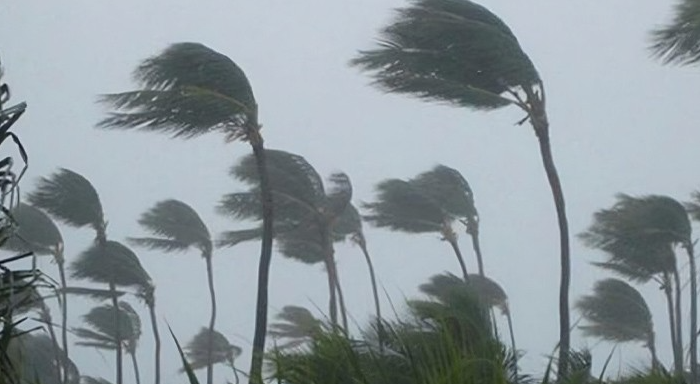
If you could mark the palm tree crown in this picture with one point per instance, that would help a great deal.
(678, 42)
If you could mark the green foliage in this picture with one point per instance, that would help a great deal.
(678, 42)
(185, 364)
(187, 90)
(222, 350)
(36, 357)
(296, 325)
(112, 263)
(107, 327)
(453, 51)
(35, 232)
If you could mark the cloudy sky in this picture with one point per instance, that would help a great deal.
(620, 122)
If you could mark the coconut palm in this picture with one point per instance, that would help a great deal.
(295, 324)
(678, 41)
(458, 52)
(36, 357)
(38, 233)
(197, 350)
(108, 327)
(176, 227)
(639, 235)
(617, 312)
(429, 203)
(306, 212)
(189, 90)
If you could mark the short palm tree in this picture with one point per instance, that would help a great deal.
(175, 226)
(639, 235)
(108, 327)
(419, 205)
(678, 42)
(198, 351)
(617, 312)
(39, 234)
(296, 325)
(460, 53)
(306, 211)
(189, 90)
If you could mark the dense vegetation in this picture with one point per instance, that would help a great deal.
(449, 51)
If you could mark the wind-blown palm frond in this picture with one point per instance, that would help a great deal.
(94, 380)
(693, 206)
(222, 350)
(453, 51)
(70, 198)
(111, 262)
(108, 326)
(678, 42)
(36, 358)
(187, 90)
(442, 287)
(402, 207)
(296, 325)
(178, 226)
(338, 195)
(616, 312)
(448, 189)
(36, 232)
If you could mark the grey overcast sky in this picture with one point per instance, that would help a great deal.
(620, 122)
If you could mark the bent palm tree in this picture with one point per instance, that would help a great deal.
(639, 234)
(458, 52)
(177, 227)
(306, 212)
(678, 42)
(198, 350)
(297, 325)
(617, 312)
(37, 233)
(189, 90)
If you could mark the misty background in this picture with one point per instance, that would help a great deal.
(620, 122)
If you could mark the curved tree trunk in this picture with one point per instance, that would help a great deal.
(538, 119)
(212, 319)
(256, 365)
(668, 292)
(375, 292)
(117, 336)
(512, 343)
(679, 318)
(651, 344)
(455, 247)
(331, 272)
(135, 363)
(64, 314)
(693, 315)
(156, 338)
(473, 232)
(60, 361)
(341, 299)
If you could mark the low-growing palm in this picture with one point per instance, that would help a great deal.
(296, 325)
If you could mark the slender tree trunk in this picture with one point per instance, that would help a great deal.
(538, 119)
(473, 232)
(135, 363)
(332, 278)
(375, 291)
(651, 344)
(668, 292)
(341, 299)
(512, 344)
(60, 361)
(64, 314)
(693, 314)
(156, 338)
(679, 318)
(256, 365)
(458, 253)
(117, 336)
(212, 319)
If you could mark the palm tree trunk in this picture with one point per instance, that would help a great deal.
(117, 336)
(668, 292)
(330, 271)
(474, 234)
(64, 314)
(679, 319)
(455, 247)
(375, 292)
(538, 119)
(651, 344)
(256, 365)
(156, 338)
(341, 299)
(135, 363)
(212, 319)
(512, 344)
(693, 314)
(60, 361)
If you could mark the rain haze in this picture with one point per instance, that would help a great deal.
(620, 122)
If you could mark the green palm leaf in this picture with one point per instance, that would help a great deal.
(678, 42)
(401, 206)
(452, 51)
(35, 357)
(70, 198)
(222, 350)
(111, 262)
(187, 90)
(296, 325)
(36, 232)
(108, 326)
(448, 189)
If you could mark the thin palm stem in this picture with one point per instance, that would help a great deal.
(651, 345)
(135, 364)
(375, 292)
(117, 335)
(341, 299)
(512, 343)
(60, 362)
(156, 338)
(460, 258)
(474, 234)
(693, 315)
(668, 292)
(212, 319)
(64, 314)
(679, 319)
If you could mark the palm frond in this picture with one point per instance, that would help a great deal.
(447, 188)
(93, 293)
(338, 195)
(296, 325)
(400, 206)
(109, 326)
(70, 198)
(35, 232)
(111, 262)
(303, 244)
(222, 350)
(348, 223)
(35, 358)
(443, 287)
(176, 224)
(186, 91)
(678, 42)
(93, 380)
(453, 51)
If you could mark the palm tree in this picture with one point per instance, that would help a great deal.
(678, 42)
(617, 312)
(189, 90)
(39, 234)
(108, 327)
(306, 212)
(36, 357)
(639, 235)
(458, 52)
(177, 227)
(419, 205)
(297, 325)
(198, 350)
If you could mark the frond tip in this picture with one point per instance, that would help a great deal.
(679, 41)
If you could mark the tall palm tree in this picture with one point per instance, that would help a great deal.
(189, 90)
(39, 234)
(639, 235)
(108, 327)
(295, 324)
(617, 312)
(678, 42)
(458, 52)
(176, 226)
(419, 205)
(306, 212)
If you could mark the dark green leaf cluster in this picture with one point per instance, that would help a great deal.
(108, 326)
(222, 350)
(296, 325)
(35, 357)
(111, 263)
(679, 41)
(35, 232)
